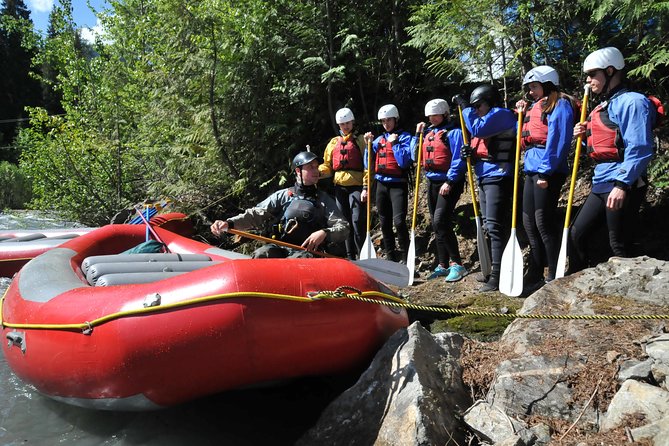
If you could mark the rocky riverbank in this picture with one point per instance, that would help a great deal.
(549, 379)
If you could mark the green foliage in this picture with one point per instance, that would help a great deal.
(18, 45)
(658, 171)
(206, 102)
(14, 187)
(70, 171)
(482, 328)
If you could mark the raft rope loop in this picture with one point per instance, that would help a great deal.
(373, 297)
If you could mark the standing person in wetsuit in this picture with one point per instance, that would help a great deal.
(445, 173)
(619, 139)
(492, 148)
(343, 158)
(391, 156)
(546, 140)
(302, 215)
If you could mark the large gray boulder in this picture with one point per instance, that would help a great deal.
(562, 369)
(412, 394)
(636, 398)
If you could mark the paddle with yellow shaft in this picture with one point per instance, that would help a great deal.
(368, 251)
(511, 268)
(382, 270)
(411, 255)
(562, 256)
(481, 240)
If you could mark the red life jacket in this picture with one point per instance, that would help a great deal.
(346, 154)
(535, 126)
(386, 163)
(661, 112)
(604, 141)
(436, 151)
(495, 149)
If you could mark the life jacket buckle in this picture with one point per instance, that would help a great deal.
(291, 225)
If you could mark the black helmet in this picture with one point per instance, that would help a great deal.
(486, 93)
(303, 158)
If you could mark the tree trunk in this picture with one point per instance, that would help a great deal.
(225, 157)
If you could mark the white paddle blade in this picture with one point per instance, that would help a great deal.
(385, 271)
(367, 251)
(511, 269)
(482, 247)
(562, 257)
(411, 258)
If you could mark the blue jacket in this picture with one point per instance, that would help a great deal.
(496, 121)
(401, 151)
(458, 167)
(634, 114)
(553, 158)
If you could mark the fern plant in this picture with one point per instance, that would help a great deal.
(658, 171)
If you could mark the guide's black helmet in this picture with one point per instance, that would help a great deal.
(485, 93)
(303, 158)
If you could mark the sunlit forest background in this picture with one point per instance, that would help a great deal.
(205, 102)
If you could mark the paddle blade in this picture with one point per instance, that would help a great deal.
(385, 271)
(367, 251)
(411, 257)
(562, 257)
(511, 269)
(482, 247)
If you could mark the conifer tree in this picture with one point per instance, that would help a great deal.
(17, 88)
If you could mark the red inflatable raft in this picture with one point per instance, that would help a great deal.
(87, 329)
(17, 247)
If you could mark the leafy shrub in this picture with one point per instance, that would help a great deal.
(70, 171)
(14, 186)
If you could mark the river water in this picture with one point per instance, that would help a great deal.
(276, 415)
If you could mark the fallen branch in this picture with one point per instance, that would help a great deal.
(583, 410)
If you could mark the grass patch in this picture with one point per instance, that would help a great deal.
(482, 328)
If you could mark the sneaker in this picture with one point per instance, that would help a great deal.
(457, 272)
(439, 271)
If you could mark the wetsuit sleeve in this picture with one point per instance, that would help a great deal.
(497, 120)
(558, 140)
(413, 147)
(265, 212)
(402, 150)
(469, 116)
(458, 167)
(325, 169)
(634, 116)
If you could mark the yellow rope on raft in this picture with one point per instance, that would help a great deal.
(16, 259)
(375, 297)
(507, 315)
(88, 326)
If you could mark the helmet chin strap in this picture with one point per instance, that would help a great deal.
(298, 176)
(605, 90)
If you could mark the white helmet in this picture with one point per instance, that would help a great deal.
(344, 115)
(604, 58)
(542, 74)
(436, 107)
(389, 111)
